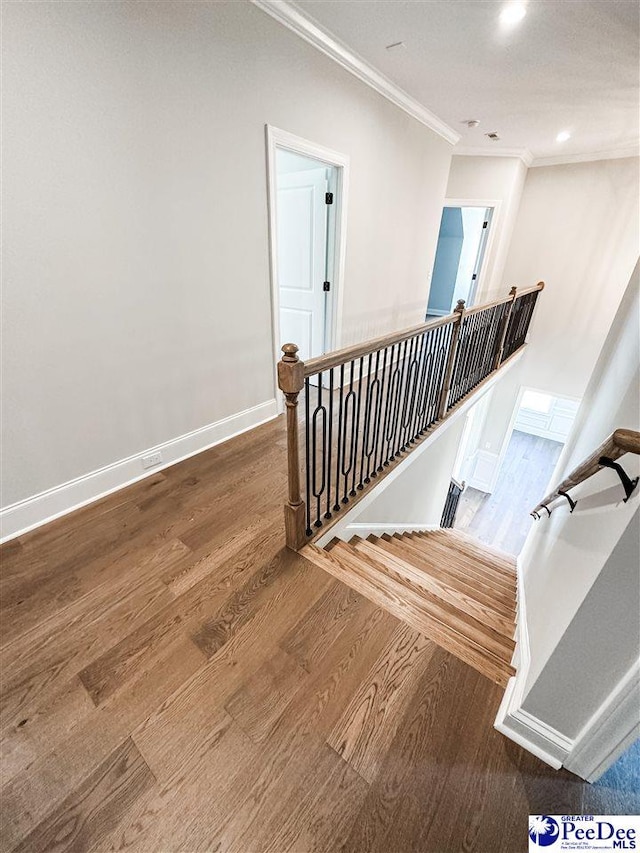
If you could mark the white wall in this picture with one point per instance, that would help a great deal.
(577, 230)
(564, 554)
(416, 498)
(498, 179)
(136, 288)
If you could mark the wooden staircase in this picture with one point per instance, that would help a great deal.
(454, 590)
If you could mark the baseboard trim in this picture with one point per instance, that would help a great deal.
(512, 720)
(26, 515)
(611, 729)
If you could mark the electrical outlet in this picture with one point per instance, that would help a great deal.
(152, 459)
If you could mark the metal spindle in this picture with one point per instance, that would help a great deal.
(309, 530)
(336, 505)
(329, 448)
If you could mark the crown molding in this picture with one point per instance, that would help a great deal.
(631, 149)
(521, 153)
(311, 32)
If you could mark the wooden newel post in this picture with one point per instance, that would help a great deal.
(503, 331)
(291, 382)
(448, 373)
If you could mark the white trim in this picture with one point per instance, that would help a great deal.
(520, 153)
(363, 529)
(532, 734)
(357, 509)
(611, 729)
(630, 150)
(326, 43)
(488, 461)
(277, 138)
(25, 515)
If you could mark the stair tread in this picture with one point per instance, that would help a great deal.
(351, 568)
(448, 613)
(463, 571)
(485, 562)
(442, 591)
(501, 558)
(504, 606)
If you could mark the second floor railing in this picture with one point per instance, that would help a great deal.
(367, 405)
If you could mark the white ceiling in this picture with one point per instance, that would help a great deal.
(569, 65)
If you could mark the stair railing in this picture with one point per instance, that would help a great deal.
(367, 405)
(616, 445)
(451, 503)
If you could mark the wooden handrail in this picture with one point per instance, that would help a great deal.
(616, 445)
(366, 415)
(342, 356)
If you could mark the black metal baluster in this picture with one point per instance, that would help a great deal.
(317, 492)
(349, 410)
(397, 412)
(365, 424)
(357, 432)
(373, 422)
(478, 340)
(435, 380)
(336, 505)
(307, 426)
(329, 448)
(418, 389)
(430, 379)
(377, 462)
(408, 394)
(391, 402)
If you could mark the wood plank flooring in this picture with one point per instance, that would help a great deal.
(173, 679)
(501, 519)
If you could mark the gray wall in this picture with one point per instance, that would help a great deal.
(599, 646)
(136, 286)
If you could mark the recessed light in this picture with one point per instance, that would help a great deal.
(563, 136)
(471, 122)
(513, 13)
(493, 136)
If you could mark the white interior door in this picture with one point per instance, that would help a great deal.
(302, 259)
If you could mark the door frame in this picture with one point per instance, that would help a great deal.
(277, 138)
(488, 261)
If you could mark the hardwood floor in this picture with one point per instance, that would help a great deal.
(501, 519)
(173, 679)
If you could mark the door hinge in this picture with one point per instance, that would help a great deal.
(485, 224)
(326, 286)
(328, 198)
(474, 277)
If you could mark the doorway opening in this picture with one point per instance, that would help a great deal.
(461, 251)
(307, 216)
(502, 488)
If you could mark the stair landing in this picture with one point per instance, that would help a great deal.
(454, 590)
